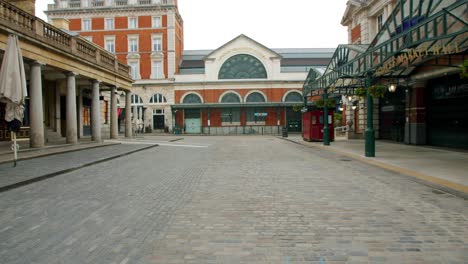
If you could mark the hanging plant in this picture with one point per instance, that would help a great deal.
(320, 103)
(464, 70)
(377, 91)
(360, 92)
(297, 108)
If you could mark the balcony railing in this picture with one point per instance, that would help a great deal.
(103, 3)
(22, 22)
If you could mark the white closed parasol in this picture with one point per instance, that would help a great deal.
(13, 87)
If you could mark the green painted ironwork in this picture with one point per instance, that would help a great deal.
(192, 99)
(230, 98)
(436, 26)
(293, 97)
(255, 97)
(242, 66)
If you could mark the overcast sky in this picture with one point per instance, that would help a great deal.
(208, 24)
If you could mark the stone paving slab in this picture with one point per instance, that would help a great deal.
(39, 168)
(439, 167)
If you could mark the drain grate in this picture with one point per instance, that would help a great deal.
(345, 160)
(437, 192)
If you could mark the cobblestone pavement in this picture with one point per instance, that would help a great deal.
(239, 200)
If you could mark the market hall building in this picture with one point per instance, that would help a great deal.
(419, 47)
(243, 87)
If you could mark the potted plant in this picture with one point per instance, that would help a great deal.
(320, 103)
(377, 91)
(464, 70)
(361, 92)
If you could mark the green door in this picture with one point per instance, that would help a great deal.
(193, 125)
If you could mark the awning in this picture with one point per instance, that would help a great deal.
(417, 31)
(236, 105)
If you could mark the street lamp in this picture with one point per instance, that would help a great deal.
(392, 88)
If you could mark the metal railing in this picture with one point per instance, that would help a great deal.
(103, 3)
(15, 19)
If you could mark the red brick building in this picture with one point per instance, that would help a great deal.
(147, 35)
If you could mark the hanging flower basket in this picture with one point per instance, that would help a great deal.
(377, 91)
(320, 103)
(360, 92)
(464, 70)
(297, 108)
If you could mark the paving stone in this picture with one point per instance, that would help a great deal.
(240, 200)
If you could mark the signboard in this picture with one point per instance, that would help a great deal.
(260, 114)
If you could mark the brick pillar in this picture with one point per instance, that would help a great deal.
(415, 126)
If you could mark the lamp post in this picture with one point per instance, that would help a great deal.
(326, 130)
(370, 134)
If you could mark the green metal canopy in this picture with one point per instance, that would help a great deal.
(415, 32)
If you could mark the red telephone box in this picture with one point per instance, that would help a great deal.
(312, 125)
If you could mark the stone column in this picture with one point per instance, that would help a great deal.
(128, 114)
(36, 111)
(72, 135)
(415, 126)
(96, 113)
(80, 113)
(58, 117)
(114, 133)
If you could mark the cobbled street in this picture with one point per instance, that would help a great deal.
(245, 199)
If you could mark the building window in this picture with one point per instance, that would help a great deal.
(255, 97)
(230, 116)
(256, 116)
(242, 66)
(132, 22)
(156, 22)
(110, 44)
(109, 23)
(158, 99)
(86, 25)
(156, 70)
(135, 70)
(133, 44)
(230, 98)
(157, 44)
(192, 99)
(136, 99)
(294, 97)
(379, 22)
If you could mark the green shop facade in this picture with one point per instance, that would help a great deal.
(413, 73)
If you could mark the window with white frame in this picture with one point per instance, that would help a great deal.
(135, 69)
(110, 43)
(157, 44)
(109, 23)
(158, 99)
(156, 22)
(88, 38)
(379, 22)
(136, 100)
(156, 69)
(132, 43)
(86, 25)
(132, 22)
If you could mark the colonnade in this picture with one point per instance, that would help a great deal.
(73, 120)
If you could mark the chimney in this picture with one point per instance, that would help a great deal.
(61, 23)
(26, 5)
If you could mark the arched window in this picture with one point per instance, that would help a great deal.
(157, 99)
(255, 97)
(136, 99)
(242, 66)
(192, 99)
(294, 97)
(230, 98)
